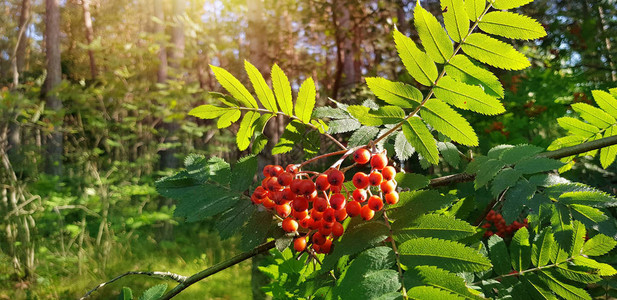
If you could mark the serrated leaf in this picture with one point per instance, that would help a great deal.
(445, 254)
(370, 266)
(431, 293)
(577, 127)
(289, 139)
(256, 230)
(516, 198)
(210, 111)
(498, 252)
(330, 113)
(589, 198)
(402, 147)
(536, 288)
(578, 238)
(606, 102)
(444, 280)
(394, 93)
(455, 19)
(450, 153)
(518, 153)
(594, 115)
(412, 181)
(520, 249)
(260, 124)
(575, 273)
(154, 292)
(537, 165)
(306, 100)
(603, 269)
(343, 125)
(282, 90)
(587, 213)
(447, 121)
(474, 8)
(487, 172)
(509, 4)
(381, 116)
(228, 118)
(566, 141)
(418, 64)
(511, 25)
(363, 135)
(234, 87)
(415, 203)
(562, 289)
(243, 172)
(464, 70)
(542, 248)
(259, 143)
(469, 97)
(505, 178)
(232, 220)
(608, 154)
(245, 132)
(432, 225)
(262, 90)
(494, 52)
(599, 245)
(126, 294)
(355, 240)
(434, 38)
(421, 139)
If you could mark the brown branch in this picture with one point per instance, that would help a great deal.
(164, 275)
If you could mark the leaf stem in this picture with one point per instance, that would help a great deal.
(528, 270)
(398, 261)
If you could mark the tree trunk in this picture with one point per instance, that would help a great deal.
(22, 42)
(54, 141)
(89, 35)
(161, 75)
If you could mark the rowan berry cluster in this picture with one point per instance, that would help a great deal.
(495, 224)
(314, 205)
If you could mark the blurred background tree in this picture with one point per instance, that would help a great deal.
(94, 96)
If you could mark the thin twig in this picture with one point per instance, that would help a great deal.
(163, 275)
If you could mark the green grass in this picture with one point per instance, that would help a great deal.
(192, 250)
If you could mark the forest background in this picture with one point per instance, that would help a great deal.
(94, 98)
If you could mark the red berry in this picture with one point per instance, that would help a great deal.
(307, 187)
(341, 214)
(379, 161)
(391, 198)
(268, 203)
(306, 222)
(375, 203)
(320, 204)
(257, 200)
(276, 170)
(318, 238)
(296, 186)
(322, 183)
(285, 178)
(299, 215)
(388, 186)
(353, 208)
(326, 247)
(283, 210)
(336, 177)
(273, 185)
(300, 244)
(375, 178)
(290, 225)
(359, 195)
(388, 173)
(336, 188)
(367, 213)
(288, 195)
(314, 224)
(291, 168)
(337, 201)
(260, 192)
(361, 156)
(360, 180)
(315, 215)
(337, 229)
(266, 170)
(325, 230)
(300, 204)
(329, 215)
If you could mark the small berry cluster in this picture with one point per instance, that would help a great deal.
(495, 224)
(317, 203)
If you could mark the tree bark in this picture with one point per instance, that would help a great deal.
(54, 142)
(89, 35)
(159, 28)
(22, 42)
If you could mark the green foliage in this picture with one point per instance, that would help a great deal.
(154, 292)
(445, 254)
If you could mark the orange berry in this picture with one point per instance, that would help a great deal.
(296, 186)
(285, 178)
(379, 161)
(337, 229)
(320, 204)
(329, 215)
(306, 222)
(326, 246)
(388, 186)
(300, 244)
(337, 201)
(300, 204)
(336, 177)
(288, 195)
(257, 200)
(367, 213)
(353, 208)
(260, 192)
(299, 215)
(275, 170)
(388, 173)
(336, 188)
(322, 183)
(375, 203)
(291, 168)
(273, 185)
(391, 198)
(375, 178)
(361, 156)
(266, 170)
(340, 214)
(359, 195)
(360, 180)
(268, 203)
(318, 238)
(307, 187)
(290, 225)
(283, 210)
(315, 215)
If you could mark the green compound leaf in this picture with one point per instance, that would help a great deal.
(411, 181)
(415, 203)
(402, 147)
(606, 102)
(520, 250)
(486, 172)
(445, 254)
(589, 198)
(494, 52)
(564, 290)
(602, 268)
(262, 90)
(474, 8)
(363, 135)
(432, 225)
(355, 240)
(511, 25)
(498, 252)
(468, 97)
(381, 116)
(306, 100)
(434, 38)
(234, 87)
(421, 139)
(442, 279)
(208, 111)
(537, 165)
(394, 93)
(450, 153)
(577, 127)
(455, 19)
(243, 172)
(505, 178)
(256, 230)
(418, 64)
(429, 292)
(233, 219)
(245, 132)
(542, 248)
(343, 125)
(228, 118)
(291, 137)
(371, 266)
(594, 115)
(536, 288)
(599, 245)
(282, 89)
(447, 121)
(464, 70)
(154, 292)
(608, 154)
(509, 4)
